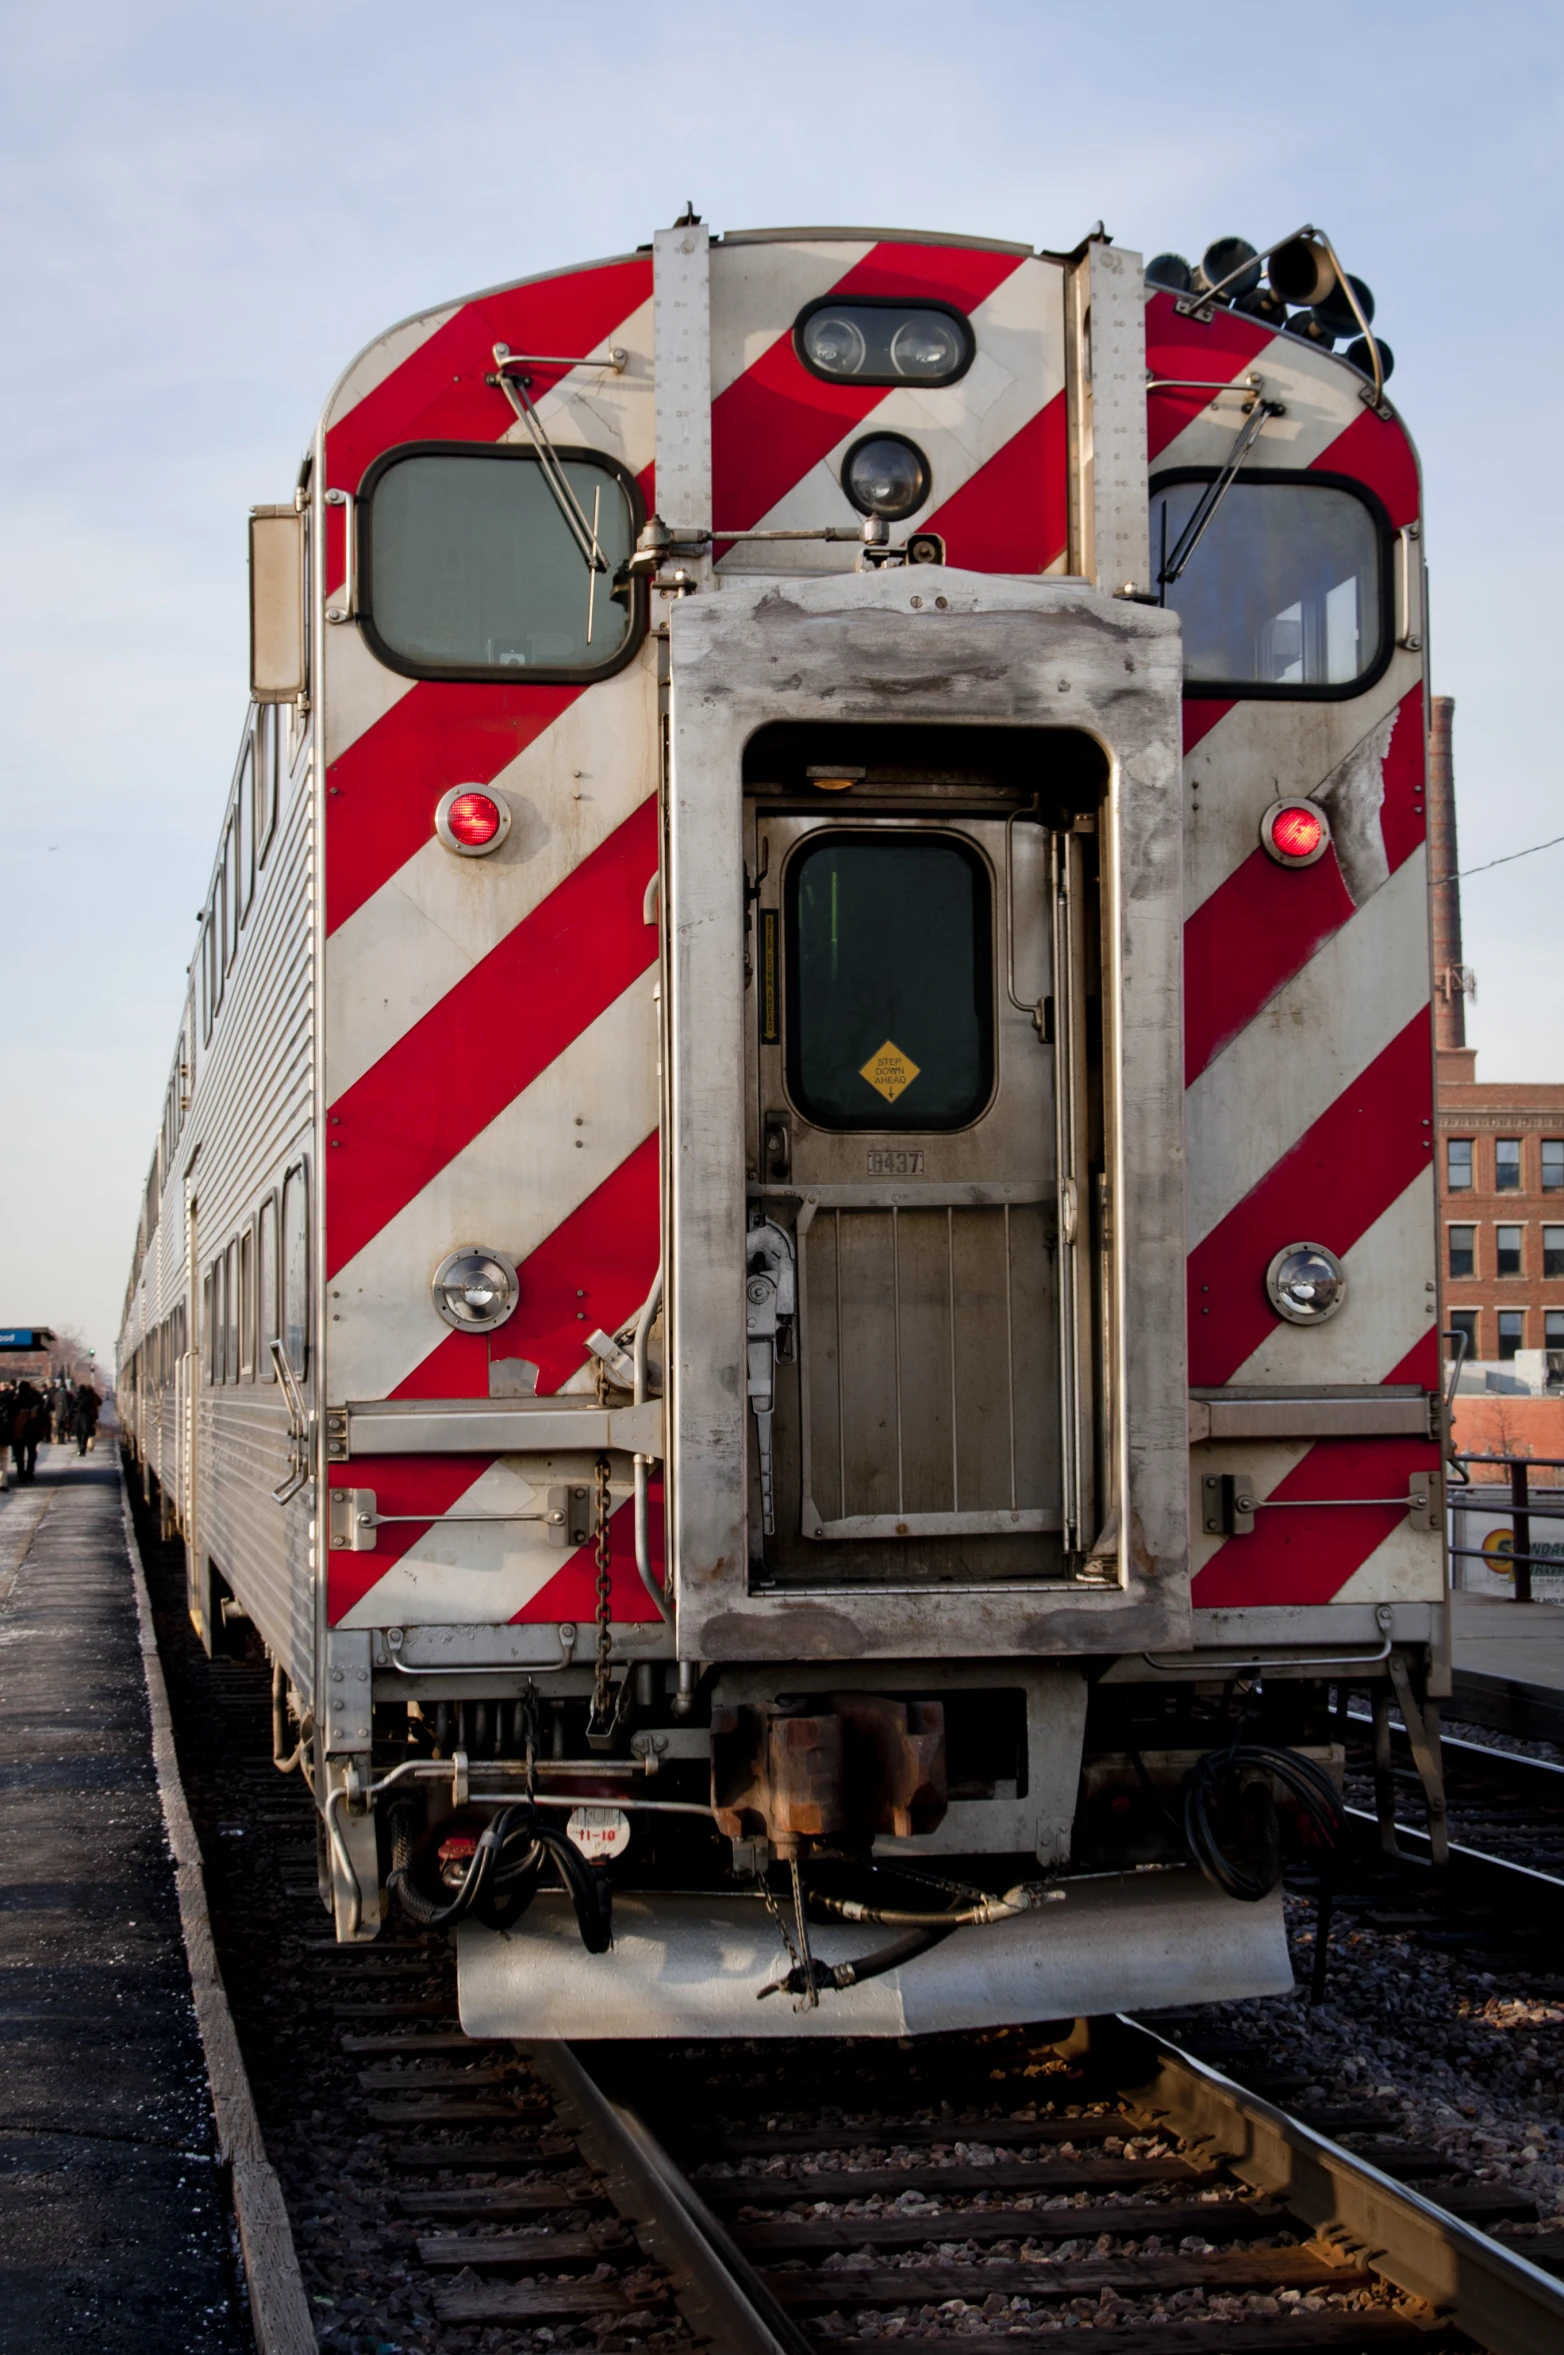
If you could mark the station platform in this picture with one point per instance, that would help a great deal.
(1509, 1666)
(115, 2227)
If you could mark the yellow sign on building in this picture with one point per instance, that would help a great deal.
(889, 1071)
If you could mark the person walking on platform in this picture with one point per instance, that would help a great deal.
(29, 1425)
(7, 1413)
(84, 1416)
(60, 1404)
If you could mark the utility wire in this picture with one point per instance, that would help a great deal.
(1509, 857)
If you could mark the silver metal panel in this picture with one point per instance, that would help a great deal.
(1025, 1520)
(693, 1966)
(1115, 293)
(1307, 1418)
(999, 652)
(465, 1427)
(681, 327)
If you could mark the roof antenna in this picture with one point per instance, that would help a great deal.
(689, 218)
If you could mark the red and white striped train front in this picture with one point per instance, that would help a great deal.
(847, 1009)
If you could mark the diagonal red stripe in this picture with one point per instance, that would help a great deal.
(1013, 514)
(1376, 451)
(1182, 347)
(776, 421)
(401, 1484)
(1264, 922)
(595, 1269)
(572, 1592)
(438, 392)
(1341, 1175)
(1302, 1557)
(1201, 713)
(489, 1037)
(381, 795)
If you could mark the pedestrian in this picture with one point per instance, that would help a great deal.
(29, 1424)
(84, 1416)
(7, 1412)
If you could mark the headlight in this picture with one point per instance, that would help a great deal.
(1306, 1283)
(887, 475)
(475, 1289)
(926, 345)
(835, 344)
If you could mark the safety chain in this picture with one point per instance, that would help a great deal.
(600, 1725)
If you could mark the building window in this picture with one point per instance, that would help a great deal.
(1553, 1165)
(1463, 1251)
(1553, 1251)
(1507, 1251)
(1507, 1165)
(1512, 1333)
(1464, 1320)
(1553, 1342)
(1458, 1164)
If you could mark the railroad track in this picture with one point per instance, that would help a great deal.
(733, 2197)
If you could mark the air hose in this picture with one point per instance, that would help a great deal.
(1309, 1784)
(502, 1877)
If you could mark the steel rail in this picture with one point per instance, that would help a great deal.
(1508, 2305)
(715, 2287)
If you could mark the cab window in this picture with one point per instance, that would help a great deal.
(1285, 593)
(473, 571)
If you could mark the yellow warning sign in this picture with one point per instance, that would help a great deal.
(889, 1071)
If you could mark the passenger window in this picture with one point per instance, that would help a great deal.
(472, 569)
(231, 1314)
(247, 1305)
(296, 1270)
(889, 981)
(266, 1286)
(1284, 592)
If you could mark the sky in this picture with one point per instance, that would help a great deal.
(210, 208)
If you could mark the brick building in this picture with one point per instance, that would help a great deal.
(1501, 1147)
(1501, 1213)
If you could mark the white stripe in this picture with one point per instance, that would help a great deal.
(599, 409)
(1319, 394)
(1018, 370)
(410, 943)
(754, 287)
(359, 689)
(381, 359)
(1390, 1303)
(480, 1575)
(519, 1179)
(1261, 751)
(1407, 1567)
(1288, 1065)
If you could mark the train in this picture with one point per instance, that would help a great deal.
(789, 1274)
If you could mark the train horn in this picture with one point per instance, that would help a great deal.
(1301, 271)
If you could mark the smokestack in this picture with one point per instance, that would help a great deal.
(1452, 982)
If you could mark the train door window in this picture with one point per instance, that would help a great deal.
(244, 828)
(890, 984)
(247, 1305)
(1506, 1165)
(1463, 1251)
(266, 1286)
(296, 1269)
(231, 1313)
(231, 879)
(471, 566)
(1512, 1333)
(1507, 1251)
(1285, 593)
(265, 778)
(1458, 1164)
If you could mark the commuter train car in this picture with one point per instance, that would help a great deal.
(790, 1268)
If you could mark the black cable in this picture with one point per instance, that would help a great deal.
(1309, 1784)
(502, 1877)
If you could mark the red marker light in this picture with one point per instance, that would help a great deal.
(473, 818)
(470, 822)
(1295, 833)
